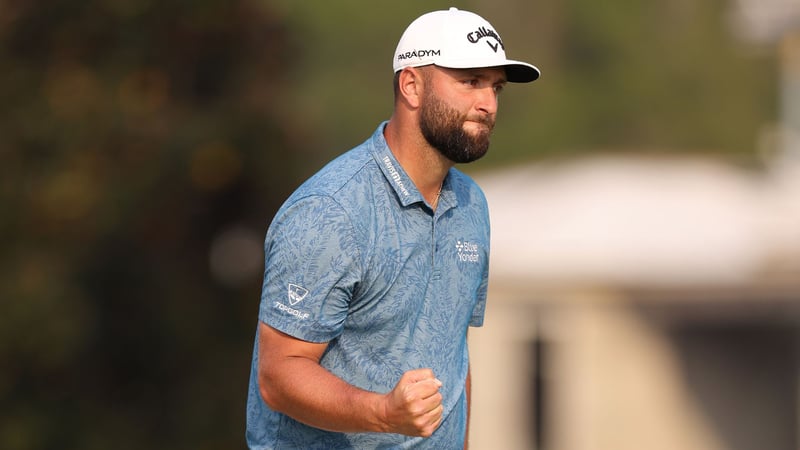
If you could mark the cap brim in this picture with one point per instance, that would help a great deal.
(520, 72)
(516, 71)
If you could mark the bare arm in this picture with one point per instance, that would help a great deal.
(292, 381)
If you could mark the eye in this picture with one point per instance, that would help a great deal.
(498, 88)
(472, 82)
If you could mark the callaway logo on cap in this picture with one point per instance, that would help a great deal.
(457, 40)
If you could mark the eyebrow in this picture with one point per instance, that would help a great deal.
(485, 75)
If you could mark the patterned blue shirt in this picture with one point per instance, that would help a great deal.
(358, 259)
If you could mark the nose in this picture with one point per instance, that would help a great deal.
(486, 102)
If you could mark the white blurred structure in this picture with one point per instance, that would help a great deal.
(628, 221)
(616, 269)
(765, 21)
(648, 303)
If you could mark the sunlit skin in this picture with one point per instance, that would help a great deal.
(461, 133)
(470, 94)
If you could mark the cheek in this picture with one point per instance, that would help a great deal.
(456, 101)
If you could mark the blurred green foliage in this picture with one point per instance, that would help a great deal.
(626, 76)
(135, 133)
(131, 134)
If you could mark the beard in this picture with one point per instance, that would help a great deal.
(443, 128)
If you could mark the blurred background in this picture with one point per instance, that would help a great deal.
(645, 286)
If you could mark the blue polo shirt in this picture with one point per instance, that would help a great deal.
(358, 259)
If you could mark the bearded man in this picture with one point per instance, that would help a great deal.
(377, 265)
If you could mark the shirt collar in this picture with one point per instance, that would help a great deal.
(397, 177)
(405, 189)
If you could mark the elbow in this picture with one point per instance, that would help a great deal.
(268, 394)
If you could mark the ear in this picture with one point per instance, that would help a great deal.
(410, 86)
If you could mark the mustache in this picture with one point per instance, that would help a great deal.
(485, 119)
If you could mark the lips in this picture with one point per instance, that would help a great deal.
(486, 123)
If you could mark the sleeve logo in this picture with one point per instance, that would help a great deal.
(296, 294)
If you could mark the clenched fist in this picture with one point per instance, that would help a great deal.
(414, 406)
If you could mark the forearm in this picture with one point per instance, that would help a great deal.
(308, 393)
(292, 381)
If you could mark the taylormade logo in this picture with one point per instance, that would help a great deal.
(418, 54)
(395, 175)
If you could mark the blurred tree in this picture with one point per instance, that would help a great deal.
(664, 76)
(668, 76)
(132, 134)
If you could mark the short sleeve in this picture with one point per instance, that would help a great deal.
(479, 309)
(311, 269)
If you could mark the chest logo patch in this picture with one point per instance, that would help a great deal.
(467, 251)
(296, 294)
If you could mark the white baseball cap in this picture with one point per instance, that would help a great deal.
(457, 40)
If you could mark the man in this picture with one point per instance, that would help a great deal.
(378, 264)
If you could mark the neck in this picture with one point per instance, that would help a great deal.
(426, 167)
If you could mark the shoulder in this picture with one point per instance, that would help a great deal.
(309, 217)
(326, 199)
(338, 174)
